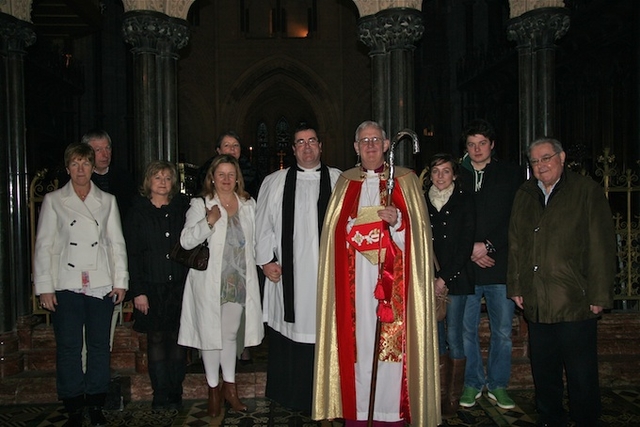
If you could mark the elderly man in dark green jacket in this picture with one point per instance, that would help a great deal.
(561, 271)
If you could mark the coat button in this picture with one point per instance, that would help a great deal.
(535, 230)
(170, 277)
(535, 268)
(167, 256)
(166, 234)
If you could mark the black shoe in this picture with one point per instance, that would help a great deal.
(175, 403)
(97, 417)
(75, 420)
(159, 403)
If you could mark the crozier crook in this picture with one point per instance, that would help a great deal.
(390, 185)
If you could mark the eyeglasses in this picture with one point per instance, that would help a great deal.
(542, 160)
(311, 141)
(367, 141)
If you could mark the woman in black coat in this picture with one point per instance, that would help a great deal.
(152, 228)
(452, 215)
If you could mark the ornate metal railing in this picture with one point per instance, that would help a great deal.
(622, 189)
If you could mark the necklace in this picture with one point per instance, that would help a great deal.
(226, 204)
(83, 196)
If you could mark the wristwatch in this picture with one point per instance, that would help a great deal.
(490, 248)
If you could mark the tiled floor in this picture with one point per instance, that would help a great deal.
(621, 408)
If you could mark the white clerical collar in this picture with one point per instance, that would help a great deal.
(313, 169)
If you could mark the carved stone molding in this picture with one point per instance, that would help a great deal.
(391, 29)
(539, 28)
(371, 7)
(518, 7)
(17, 8)
(15, 34)
(173, 8)
(155, 32)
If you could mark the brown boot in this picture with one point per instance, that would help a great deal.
(230, 393)
(456, 384)
(445, 376)
(215, 401)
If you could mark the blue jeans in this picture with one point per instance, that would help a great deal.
(450, 329)
(500, 310)
(73, 312)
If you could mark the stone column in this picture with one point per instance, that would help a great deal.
(391, 34)
(535, 33)
(15, 265)
(156, 39)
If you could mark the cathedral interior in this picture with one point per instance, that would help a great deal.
(165, 78)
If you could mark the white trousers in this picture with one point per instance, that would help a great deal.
(213, 360)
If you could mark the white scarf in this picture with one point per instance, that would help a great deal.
(439, 198)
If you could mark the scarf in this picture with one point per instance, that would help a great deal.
(439, 198)
(288, 215)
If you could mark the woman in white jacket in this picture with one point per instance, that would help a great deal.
(215, 299)
(80, 272)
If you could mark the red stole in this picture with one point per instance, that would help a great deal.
(393, 334)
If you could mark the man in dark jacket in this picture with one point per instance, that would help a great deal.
(112, 180)
(493, 184)
(561, 273)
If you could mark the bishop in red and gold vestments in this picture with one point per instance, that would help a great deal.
(376, 262)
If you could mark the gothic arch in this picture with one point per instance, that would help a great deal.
(281, 79)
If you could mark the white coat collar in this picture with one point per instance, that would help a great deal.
(92, 203)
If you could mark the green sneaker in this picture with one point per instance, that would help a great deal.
(469, 396)
(502, 398)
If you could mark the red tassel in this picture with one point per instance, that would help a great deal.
(379, 291)
(385, 312)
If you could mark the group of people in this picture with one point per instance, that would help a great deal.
(546, 246)
(352, 269)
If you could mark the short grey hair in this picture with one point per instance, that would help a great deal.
(95, 134)
(557, 146)
(370, 123)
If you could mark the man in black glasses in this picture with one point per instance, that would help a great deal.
(289, 215)
(561, 272)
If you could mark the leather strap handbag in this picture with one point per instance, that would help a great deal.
(196, 258)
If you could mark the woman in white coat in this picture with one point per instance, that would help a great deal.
(80, 273)
(215, 299)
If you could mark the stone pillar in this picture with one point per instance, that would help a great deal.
(156, 39)
(15, 260)
(535, 33)
(391, 34)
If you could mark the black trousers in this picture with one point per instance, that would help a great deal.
(290, 372)
(572, 346)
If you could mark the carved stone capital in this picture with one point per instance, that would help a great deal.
(173, 8)
(371, 7)
(539, 28)
(155, 32)
(18, 8)
(391, 29)
(15, 34)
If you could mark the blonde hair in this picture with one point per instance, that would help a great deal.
(210, 190)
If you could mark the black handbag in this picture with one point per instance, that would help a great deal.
(197, 258)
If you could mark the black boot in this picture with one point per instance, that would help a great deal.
(158, 374)
(177, 372)
(74, 406)
(95, 403)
